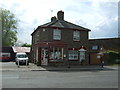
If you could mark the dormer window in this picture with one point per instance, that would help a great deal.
(57, 34)
(94, 47)
(76, 36)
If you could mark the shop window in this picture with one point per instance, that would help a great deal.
(76, 36)
(57, 34)
(56, 54)
(73, 55)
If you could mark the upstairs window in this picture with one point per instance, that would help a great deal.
(57, 34)
(76, 36)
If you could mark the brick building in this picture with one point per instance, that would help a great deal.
(112, 44)
(59, 41)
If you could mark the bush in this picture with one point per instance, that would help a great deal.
(83, 61)
(117, 61)
(114, 57)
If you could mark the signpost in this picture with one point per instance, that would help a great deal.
(100, 55)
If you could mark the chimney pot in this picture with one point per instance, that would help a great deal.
(53, 19)
(60, 15)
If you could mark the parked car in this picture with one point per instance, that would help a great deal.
(22, 59)
(5, 57)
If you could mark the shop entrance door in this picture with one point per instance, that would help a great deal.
(44, 56)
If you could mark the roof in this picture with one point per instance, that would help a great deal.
(63, 24)
(60, 23)
(107, 43)
(21, 49)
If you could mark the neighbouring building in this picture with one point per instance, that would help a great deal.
(60, 41)
(9, 53)
(111, 44)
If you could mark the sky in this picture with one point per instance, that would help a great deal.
(100, 16)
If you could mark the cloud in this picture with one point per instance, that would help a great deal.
(108, 25)
(98, 15)
(105, 30)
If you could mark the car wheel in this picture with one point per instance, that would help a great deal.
(16, 63)
(27, 63)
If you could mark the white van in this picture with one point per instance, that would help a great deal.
(22, 59)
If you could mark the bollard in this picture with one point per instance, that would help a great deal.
(18, 64)
(26, 62)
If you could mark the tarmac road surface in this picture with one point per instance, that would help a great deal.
(17, 78)
(60, 79)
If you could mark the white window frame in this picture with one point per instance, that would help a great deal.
(57, 34)
(94, 47)
(76, 35)
(73, 55)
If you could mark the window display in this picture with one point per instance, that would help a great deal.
(56, 54)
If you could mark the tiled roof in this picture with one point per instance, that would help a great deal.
(21, 49)
(107, 43)
(63, 24)
(60, 23)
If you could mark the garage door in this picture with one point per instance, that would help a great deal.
(93, 59)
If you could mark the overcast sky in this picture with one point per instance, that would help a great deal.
(100, 16)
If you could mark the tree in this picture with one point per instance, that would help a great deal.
(19, 43)
(9, 27)
(26, 45)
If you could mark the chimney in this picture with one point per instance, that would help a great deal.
(53, 19)
(60, 15)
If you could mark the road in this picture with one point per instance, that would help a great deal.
(60, 79)
(56, 79)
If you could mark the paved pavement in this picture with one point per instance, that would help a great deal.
(11, 66)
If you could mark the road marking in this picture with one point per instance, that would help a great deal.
(99, 76)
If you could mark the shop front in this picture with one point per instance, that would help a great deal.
(51, 55)
(51, 52)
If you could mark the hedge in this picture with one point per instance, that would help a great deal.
(114, 57)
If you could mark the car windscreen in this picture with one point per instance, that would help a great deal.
(22, 56)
